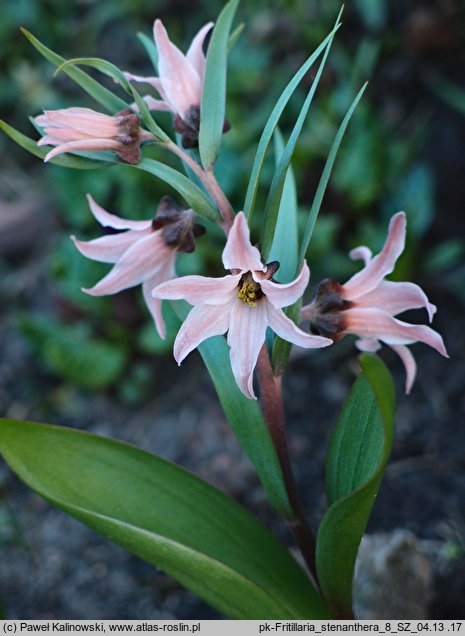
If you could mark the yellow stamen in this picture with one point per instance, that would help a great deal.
(248, 293)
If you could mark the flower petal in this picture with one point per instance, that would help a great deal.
(409, 363)
(239, 253)
(199, 289)
(195, 54)
(285, 295)
(152, 104)
(371, 275)
(202, 322)
(181, 83)
(376, 323)
(83, 144)
(84, 120)
(286, 329)
(370, 345)
(166, 272)
(247, 329)
(109, 249)
(361, 253)
(112, 220)
(396, 297)
(138, 263)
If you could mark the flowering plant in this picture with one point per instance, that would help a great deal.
(155, 509)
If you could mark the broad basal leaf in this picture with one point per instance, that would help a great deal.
(166, 516)
(359, 450)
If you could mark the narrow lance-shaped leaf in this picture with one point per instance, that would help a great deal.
(150, 48)
(194, 196)
(316, 205)
(281, 348)
(277, 186)
(358, 453)
(273, 120)
(213, 106)
(102, 95)
(147, 118)
(286, 240)
(244, 417)
(166, 516)
(105, 67)
(65, 160)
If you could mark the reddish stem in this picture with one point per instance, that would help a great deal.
(273, 412)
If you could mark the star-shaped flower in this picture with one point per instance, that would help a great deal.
(366, 304)
(243, 303)
(83, 129)
(144, 253)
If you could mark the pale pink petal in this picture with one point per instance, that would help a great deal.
(382, 264)
(153, 104)
(66, 134)
(361, 253)
(370, 345)
(396, 297)
(89, 122)
(50, 140)
(109, 249)
(195, 54)
(116, 222)
(166, 272)
(239, 253)
(409, 363)
(138, 263)
(91, 145)
(181, 83)
(376, 323)
(246, 335)
(286, 329)
(199, 289)
(203, 321)
(285, 295)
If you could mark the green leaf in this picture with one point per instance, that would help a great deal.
(70, 352)
(147, 117)
(194, 196)
(151, 49)
(286, 240)
(66, 160)
(245, 418)
(320, 192)
(107, 68)
(102, 95)
(235, 35)
(213, 106)
(166, 516)
(358, 453)
(272, 122)
(275, 194)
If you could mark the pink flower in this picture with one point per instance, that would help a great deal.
(144, 254)
(366, 304)
(180, 82)
(83, 129)
(243, 303)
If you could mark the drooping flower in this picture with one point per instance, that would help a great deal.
(144, 253)
(243, 303)
(366, 304)
(180, 82)
(83, 129)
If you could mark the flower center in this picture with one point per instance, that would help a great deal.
(249, 291)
